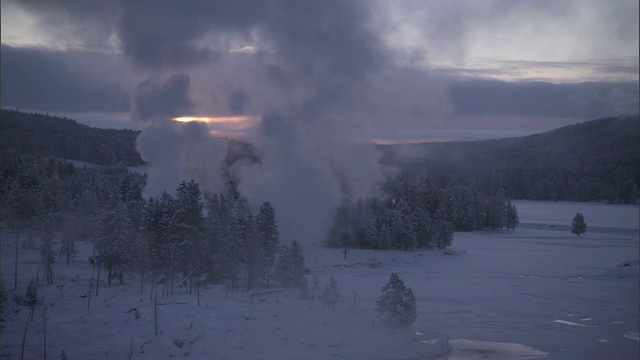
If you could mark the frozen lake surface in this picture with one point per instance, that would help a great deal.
(537, 292)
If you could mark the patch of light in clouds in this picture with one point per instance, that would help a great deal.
(224, 126)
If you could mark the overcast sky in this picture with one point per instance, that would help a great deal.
(385, 70)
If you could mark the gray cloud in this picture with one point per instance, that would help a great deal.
(38, 79)
(237, 101)
(159, 100)
(539, 99)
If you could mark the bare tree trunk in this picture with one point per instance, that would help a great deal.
(90, 289)
(44, 318)
(15, 265)
(198, 291)
(24, 338)
(109, 275)
(155, 311)
(153, 285)
(98, 279)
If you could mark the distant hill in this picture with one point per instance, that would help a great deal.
(65, 138)
(594, 160)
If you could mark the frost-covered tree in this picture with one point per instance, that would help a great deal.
(114, 234)
(31, 298)
(305, 293)
(297, 264)
(330, 294)
(68, 233)
(188, 227)
(397, 304)
(512, 216)
(236, 247)
(158, 228)
(268, 237)
(578, 226)
(290, 269)
(216, 235)
(442, 233)
(46, 250)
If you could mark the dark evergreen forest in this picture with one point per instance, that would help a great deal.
(591, 161)
(64, 138)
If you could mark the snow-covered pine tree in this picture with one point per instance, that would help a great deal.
(158, 228)
(397, 304)
(512, 216)
(31, 298)
(46, 251)
(290, 269)
(114, 233)
(305, 293)
(242, 246)
(330, 294)
(578, 226)
(297, 264)
(68, 233)
(424, 226)
(268, 236)
(189, 225)
(283, 266)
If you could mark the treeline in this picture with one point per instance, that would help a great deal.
(592, 161)
(180, 240)
(418, 212)
(64, 138)
(206, 238)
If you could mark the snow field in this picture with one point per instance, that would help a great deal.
(537, 292)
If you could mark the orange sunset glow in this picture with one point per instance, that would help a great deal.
(224, 126)
(239, 120)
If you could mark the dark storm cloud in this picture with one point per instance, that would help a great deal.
(237, 101)
(581, 100)
(38, 79)
(157, 34)
(158, 100)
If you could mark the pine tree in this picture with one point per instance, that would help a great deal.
(578, 226)
(267, 232)
(31, 298)
(397, 304)
(188, 223)
(69, 232)
(512, 216)
(242, 245)
(114, 234)
(297, 264)
(330, 294)
(46, 251)
(283, 266)
(305, 293)
(290, 269)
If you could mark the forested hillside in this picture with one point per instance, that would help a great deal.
(591, 161)
(65, 138)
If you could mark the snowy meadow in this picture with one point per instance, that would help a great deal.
(536, 292)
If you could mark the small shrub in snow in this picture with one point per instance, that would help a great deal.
(179, 343)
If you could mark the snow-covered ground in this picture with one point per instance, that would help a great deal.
(538, 292)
